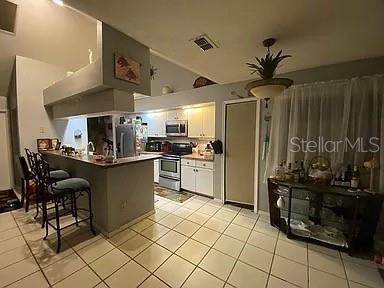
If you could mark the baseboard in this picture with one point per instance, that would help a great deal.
(125, 226)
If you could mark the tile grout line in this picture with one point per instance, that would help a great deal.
(211, 247)
(33, 255)
(153, 242)
(242, 249)
(174, 252)
(273, 258)
(345, 270)
(74, 252)
(190, 237)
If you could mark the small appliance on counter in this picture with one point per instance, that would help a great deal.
(153, 146)
(166, 147)
(170, 168)
(208, 152)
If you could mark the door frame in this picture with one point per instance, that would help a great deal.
(9, 148)
(257, 148)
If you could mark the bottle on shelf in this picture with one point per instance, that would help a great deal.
(288, 172)
(296, 172)
(345, 182)
(302, 171)
(279, 172)
(355, 179)
(338, 181)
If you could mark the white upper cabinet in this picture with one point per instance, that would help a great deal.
(156, 123)
(178, 114)
(201, 122)
(208, 121)
(195, 123)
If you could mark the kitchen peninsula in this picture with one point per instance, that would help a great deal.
(122, 191)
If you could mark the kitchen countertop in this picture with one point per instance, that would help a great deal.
(153, 153)
(118, 162)
(195, 156)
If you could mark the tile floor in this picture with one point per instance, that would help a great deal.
(199, 243)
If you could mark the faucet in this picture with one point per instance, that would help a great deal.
(92, 146)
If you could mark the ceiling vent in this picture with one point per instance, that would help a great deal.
(7, 16)
(204, 42)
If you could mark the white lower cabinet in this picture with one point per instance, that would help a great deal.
(156, 171)
(204, 181)
(197, 179)
(188, 178)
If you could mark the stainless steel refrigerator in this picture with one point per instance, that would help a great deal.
(125, 140)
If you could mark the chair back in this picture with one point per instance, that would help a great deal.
(23, 168)
(31, 160)
(42, 173)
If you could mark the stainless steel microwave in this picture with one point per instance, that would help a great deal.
(176, 128)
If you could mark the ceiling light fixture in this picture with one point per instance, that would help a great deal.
(267, 87)
(58, 2)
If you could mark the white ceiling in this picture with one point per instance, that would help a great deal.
(315, 32)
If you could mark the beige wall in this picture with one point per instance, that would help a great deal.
(47, 32)
(172, 75)
(32, 77)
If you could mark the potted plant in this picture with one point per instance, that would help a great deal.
(267, 87)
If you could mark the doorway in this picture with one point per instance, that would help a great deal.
(241, 151)
(5, 171)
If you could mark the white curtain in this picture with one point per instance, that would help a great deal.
(328, 112)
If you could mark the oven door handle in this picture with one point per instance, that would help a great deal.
(169, 158)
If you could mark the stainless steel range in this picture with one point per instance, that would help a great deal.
(169, 166)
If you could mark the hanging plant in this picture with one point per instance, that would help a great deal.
(266, 66)
(267, 87)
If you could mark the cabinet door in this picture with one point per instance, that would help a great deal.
(195, 123)
(156, 124)
(178, 114)
(156, 171)
(204, 181)
(188, 178)
(208, 121)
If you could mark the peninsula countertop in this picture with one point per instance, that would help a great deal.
(90, 159)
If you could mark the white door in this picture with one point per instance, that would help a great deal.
(240, 143)
(156, 171)
(195, 123)
(188, 178)
(5, 178)
(204, 181)
(208, 121)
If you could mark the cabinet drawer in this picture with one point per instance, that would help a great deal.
(204, 164)
(188, 162)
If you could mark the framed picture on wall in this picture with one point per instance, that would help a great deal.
(44, 144)
(127, 69)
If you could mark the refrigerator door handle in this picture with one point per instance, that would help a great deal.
(122, 144)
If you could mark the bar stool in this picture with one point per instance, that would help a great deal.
(55, 175)
(26, 179)
(69, 188)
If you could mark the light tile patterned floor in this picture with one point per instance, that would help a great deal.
(199, 243)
